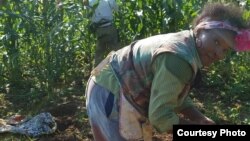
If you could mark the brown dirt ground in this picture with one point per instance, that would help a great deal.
(70, 115)
(70, 127)
(72, 121)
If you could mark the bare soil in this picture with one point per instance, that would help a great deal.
(73, 125)
(72, 120)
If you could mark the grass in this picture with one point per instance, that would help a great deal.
(224, 107)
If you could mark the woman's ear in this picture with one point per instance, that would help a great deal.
(197, 39)
(198, 42)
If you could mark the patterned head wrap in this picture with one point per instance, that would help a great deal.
(242, 39)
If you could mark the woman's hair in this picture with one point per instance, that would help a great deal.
(222, 12)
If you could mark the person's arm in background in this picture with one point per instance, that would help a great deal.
(86, 2)
(91, 3)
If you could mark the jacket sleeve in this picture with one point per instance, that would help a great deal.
(171, 74)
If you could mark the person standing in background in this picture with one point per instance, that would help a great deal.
(103, 27)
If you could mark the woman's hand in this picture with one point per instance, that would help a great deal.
(206, 121)
(196, 117)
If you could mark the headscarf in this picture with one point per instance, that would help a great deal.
(242, 39)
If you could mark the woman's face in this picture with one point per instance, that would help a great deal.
(214, 44)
